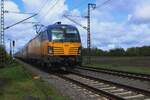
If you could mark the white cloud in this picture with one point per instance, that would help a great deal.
(119, 35)
(33, 5)
(20, 33)
(110, 27)
(139, 14)
(49, 12)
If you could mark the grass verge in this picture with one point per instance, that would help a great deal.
(134, 69)
(16, 83)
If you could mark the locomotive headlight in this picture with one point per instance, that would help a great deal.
(50, 49)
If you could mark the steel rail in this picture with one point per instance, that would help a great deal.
(118, 73)
(138, 90)
(95, 90)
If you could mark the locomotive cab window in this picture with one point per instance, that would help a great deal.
(71, 31)
(72, 35)
(57, 35)
(64, 35)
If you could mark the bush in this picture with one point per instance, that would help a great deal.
(7, 58)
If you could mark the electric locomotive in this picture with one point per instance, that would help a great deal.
(58, 44)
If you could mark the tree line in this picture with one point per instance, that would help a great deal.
(134, 51)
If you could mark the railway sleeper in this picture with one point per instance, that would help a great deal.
(109, 88)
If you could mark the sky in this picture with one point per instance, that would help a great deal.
(117, 24)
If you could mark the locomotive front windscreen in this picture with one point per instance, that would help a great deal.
(65, 35)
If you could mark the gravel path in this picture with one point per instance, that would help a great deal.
(118, 79)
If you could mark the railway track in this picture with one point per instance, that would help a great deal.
(108, 89)
(130, 75)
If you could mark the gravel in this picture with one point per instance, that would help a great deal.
(145, 85)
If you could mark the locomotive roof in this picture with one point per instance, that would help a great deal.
(60, 25)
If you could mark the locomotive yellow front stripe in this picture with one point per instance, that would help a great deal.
(62, 49)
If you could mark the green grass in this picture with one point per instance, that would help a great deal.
(144, 70)
(16, 83)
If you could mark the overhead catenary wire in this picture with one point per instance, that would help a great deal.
(30, 22)
(75, 16)
(105, 2)
(43, 6)
(77, 7)
(51, 7)
(19, 22)
(40, 10)
(6, 11)
(84, 27)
